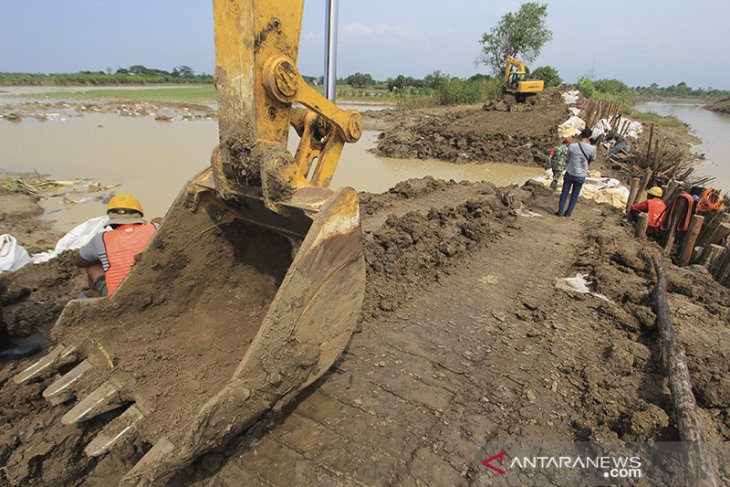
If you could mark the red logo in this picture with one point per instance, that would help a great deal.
(499, 456)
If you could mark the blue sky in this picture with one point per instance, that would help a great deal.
(639, 41)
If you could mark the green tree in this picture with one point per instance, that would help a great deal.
(359, 80)
(139, 70)
(396, 84)
(585, 86)
(435, 79)
(183, 72)
(549, 75)
(520, 34)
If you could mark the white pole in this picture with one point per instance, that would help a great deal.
(330, 51)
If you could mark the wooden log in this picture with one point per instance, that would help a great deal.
(722, 274)
(690, 238)
(709, 257)
(648, 146)
(632, 192)
(700, 462)
(672, 189)
(712, 221)
(669, 240)
(719, 234)
(645, 180)
(641, 225)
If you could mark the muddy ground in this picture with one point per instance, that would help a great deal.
(497, 132)
(464, 340)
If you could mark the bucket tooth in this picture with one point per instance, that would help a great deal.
(145, 471)
(60, 390)
(117, 430)
(59, 356)
(104, 398)
(44, 364)
(69, 355)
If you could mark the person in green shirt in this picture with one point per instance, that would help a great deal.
(557, 161)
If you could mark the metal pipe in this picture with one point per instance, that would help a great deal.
(330, 51)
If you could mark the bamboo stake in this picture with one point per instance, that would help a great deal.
(719, 234)
(641, 225)
(632, 192)
(710, 256)
(648, 146)
(723, 272)
(690, 238)
(669, 242)
(645, 181)
(700, 462)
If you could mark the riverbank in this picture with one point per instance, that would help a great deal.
(706, 137)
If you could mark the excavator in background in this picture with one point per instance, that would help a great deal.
(251, 288)
(515, 82)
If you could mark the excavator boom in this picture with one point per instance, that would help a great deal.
(251, 288)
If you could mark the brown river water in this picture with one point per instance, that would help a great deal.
(153, 160)
(714, 130)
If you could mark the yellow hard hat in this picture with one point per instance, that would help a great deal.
(656, 191)
(124, 202)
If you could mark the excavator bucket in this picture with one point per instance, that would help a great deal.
(250, 289)
(219, 321)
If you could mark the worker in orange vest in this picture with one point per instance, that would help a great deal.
(109, 256)
(653, 205)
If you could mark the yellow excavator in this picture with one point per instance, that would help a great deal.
(252, 286)
(515, 82)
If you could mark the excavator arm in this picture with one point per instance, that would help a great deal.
(515, 82)
(257, 83)
(251, 288)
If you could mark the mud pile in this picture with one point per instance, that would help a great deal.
(36, 293)
(523, 136)
(412, 250)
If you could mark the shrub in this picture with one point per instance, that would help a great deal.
(611, 86)
(549, 75)
(585, 86)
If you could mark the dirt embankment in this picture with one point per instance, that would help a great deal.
(721, 106)
(463, 339)
(513, 133)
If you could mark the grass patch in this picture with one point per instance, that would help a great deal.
(194, 94)
(450, 92)
(658, 120)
